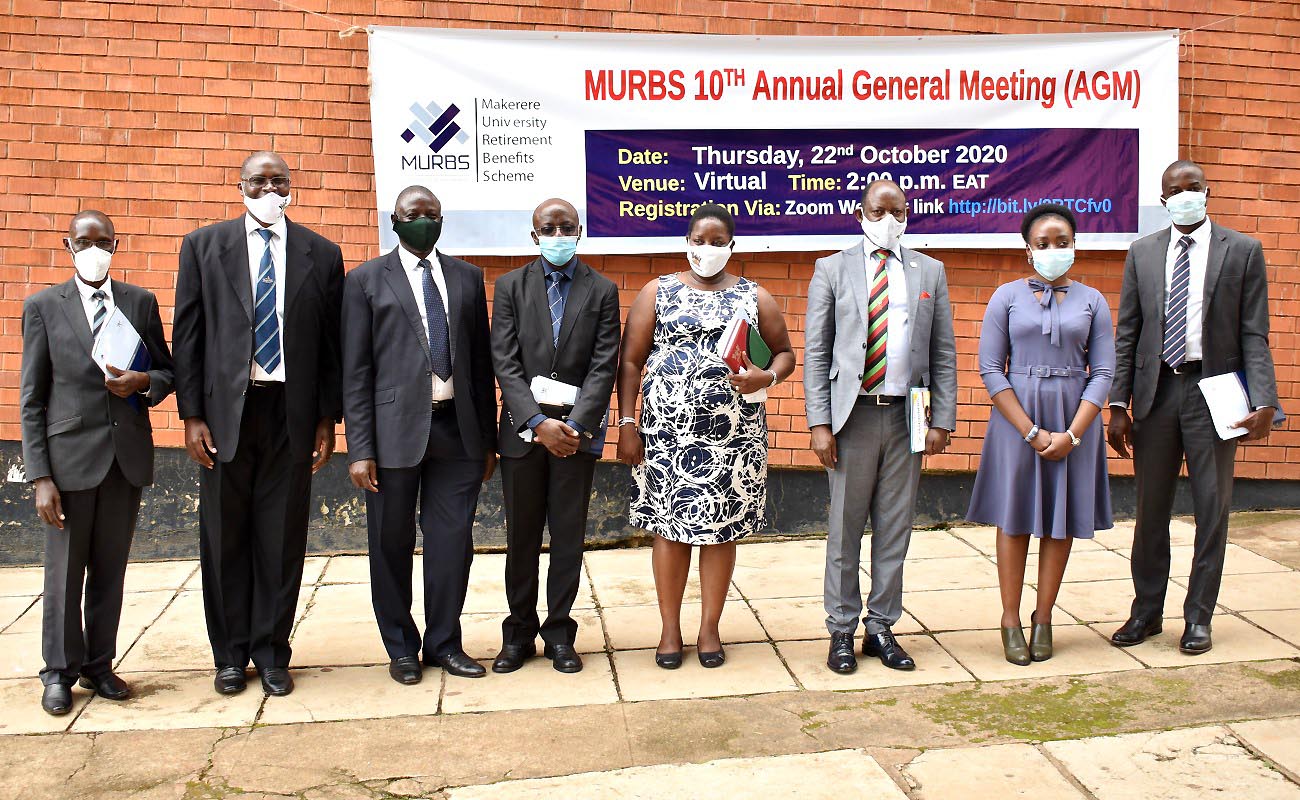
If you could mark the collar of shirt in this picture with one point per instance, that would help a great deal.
(411, 262)
(278, 230)
(566, 270)
(869, 247)
(87, 290)
(1200, 236)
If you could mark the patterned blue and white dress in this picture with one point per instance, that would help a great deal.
(704, 477)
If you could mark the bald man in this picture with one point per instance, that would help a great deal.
(88, 448)
(257, 385)
(555, 319)
(420, 409)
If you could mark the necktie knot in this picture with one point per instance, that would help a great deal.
(99, 295)
(555, 276)
(266, 234)
(1186, 243)
(425, 265)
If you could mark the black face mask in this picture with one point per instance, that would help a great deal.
(420, 234)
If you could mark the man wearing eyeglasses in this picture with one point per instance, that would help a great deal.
(555, 348)
(258, 387)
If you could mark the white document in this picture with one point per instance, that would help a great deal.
(755, 397)
(918, 417)
(550, 392)
(1226, 397)
(118, 344)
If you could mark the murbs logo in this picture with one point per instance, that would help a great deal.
(435, 128)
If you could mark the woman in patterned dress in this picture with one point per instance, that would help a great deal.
(699, 454)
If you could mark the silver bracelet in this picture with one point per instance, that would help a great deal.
(1074, 440)
(626, 421)
(1033, 434)
(775, 378)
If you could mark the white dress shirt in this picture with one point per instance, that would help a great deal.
(898, 343)
(442, 390)
(256, 247)
(91, 306)
(1197, 256)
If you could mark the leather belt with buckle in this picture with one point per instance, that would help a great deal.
(256, 384)
(879, 399)
(442, 405)
(1186, 368)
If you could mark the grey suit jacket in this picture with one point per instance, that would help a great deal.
(835, 337)
(73, 426)
(1234, 318)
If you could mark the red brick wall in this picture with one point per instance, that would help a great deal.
(144, 110)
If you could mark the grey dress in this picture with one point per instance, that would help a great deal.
(1053, 353)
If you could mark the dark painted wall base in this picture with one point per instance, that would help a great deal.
(796, 504)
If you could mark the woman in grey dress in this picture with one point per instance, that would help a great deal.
(1047, 355)
(699, 453)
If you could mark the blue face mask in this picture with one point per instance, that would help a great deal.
(558, 250)
(1054, 262)
(1186, 208)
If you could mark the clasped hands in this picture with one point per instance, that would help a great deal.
(1052, 446)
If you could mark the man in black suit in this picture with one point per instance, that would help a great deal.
(419, 403)
(257, 384)
(554, 319)
(1194, 303)
(88, 447)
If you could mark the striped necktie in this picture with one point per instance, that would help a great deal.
(1175, 350)
(877, 324)
(266, 336)
(555, 300)
(100, 313)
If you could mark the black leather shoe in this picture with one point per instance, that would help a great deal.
(230, 680)
(668, 660)
(841, 658)
(1196, 640)
(712, 659)
(57, 699)
(406, 670)
(1136, 631)
(276, 681)
(884, 646)
(513, 656)
(109, 687)
(460, 665)
(563, 657)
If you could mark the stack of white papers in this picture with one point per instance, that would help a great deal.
(1226, 396)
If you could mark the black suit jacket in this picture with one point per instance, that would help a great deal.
(213, 332)
(73, 426)
(387, 373)
(586, 355)
(1234, 318)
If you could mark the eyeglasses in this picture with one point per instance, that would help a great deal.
(82, 244)
(260, 182)
(562, 230)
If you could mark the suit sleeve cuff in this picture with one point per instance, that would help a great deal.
(572, 423)
(534, 421)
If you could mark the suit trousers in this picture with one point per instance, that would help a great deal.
(253, 514)
(93, 548)
(542, 491)
(874, 479)
(446, 484)
(1179, 424)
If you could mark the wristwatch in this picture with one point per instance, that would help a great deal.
(1074, 440)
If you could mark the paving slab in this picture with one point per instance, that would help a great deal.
(790, 618)
(1268, 592)
(754, 553)
(1237, 560)
(1111, 600)
(931, 544)
(964, 609)
(343, 693)
(1181, 533)
(996, 771)
(172, 700)
(20, 655)
(1085, 565)
(481, 633)
(535, 685)
(793, 578)
(347, 602)
(795, 776)
(177, 641)
(1077, 651)
(638, 627)
(807, 660)
(1187, 764)
(321, 642)
(153, 576)
(21, 581)
(1284, 624)
(750, 669)
(970, 572)
(1234, 640)
(624, 578)
(1277, 739)
(11, 608)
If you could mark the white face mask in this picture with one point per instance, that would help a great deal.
(884, 232)
(1186, 208)
(268, 208)
(92, 263)
(707, 260)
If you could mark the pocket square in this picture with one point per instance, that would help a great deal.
(925, 295)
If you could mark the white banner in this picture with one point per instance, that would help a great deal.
(637, 130)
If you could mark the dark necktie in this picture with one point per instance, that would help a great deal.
(436, 313)
(100, 313)
(1051, 308)
(1175, 351)
(266, 336)
(556, 302)
(877, 324)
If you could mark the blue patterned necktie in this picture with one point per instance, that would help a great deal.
(266, 335)
(100, 313)
(555, 300)
(1175, 351)
(436, 313)
(1051, 308)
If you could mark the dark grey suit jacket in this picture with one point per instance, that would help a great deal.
(213, 332)
(73, 426)
(387, 376)
(1234, 318)
(586, 355)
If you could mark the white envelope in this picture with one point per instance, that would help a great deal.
(118, 343)
(549, 392)
(1226, 397)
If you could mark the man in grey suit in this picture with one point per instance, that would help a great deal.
(878, 324)
(88, 448)
(1193, 304)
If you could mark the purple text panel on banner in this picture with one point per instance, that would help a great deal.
(807, 182)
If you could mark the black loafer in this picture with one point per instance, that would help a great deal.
(1196, 640)
(712, 659)
(1136, 631)
(276, 681)
(668, 660)
(460, 665)
(563, 657)
(109, 687)
(512, 657)
(884, 646)
(841, 658)
(406, 670)
(230, 680)
(57, 699)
